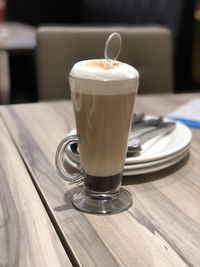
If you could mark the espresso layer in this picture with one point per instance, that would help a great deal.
(103, 184)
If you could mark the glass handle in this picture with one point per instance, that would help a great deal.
(63, 150)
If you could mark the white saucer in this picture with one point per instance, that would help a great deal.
(157, 167)
(155, 162)
(165, 146)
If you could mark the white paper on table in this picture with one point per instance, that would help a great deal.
(188, 114)
(190, 111)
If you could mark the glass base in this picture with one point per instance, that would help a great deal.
(102, 204)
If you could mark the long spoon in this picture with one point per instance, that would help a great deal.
(112, 47)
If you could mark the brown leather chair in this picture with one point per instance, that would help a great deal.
(149, 49)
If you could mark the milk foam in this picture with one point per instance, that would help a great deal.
(99, 69)
(120, 78)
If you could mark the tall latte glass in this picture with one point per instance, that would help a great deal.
(103, 99)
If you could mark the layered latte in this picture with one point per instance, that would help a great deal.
(103, 96)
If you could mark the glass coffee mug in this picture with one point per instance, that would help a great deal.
(103, 113)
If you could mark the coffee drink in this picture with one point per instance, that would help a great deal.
(103, 99)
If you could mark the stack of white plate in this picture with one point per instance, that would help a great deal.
(158, 153)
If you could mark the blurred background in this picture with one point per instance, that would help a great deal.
(182, 17)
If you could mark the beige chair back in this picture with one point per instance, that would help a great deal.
(149, 49)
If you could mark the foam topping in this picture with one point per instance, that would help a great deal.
(99, 69)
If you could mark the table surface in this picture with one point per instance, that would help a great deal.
(40, 227)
